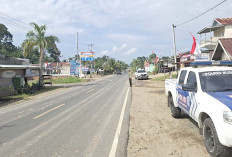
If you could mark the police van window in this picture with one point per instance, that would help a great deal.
(192, 78)
(182, 77)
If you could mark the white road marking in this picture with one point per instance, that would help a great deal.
(117, 133)
(89, 91)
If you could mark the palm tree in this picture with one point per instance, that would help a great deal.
(36, 39)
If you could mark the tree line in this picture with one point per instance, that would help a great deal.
(138, 63)
(109, 65)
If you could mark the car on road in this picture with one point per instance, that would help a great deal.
(205, 94)
(141, 74)
(119, 72)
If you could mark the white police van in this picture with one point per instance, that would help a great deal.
(204, 92)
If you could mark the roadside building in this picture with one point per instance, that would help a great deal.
(146, 66)
(166, 65)
(14, 68)
(151, 67)
(184, 59)
(221, 28)
(8, 72)
(223, 50)
(60, 68)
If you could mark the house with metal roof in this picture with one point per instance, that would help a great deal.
(220, 29)
(11, 68)
(223, 50)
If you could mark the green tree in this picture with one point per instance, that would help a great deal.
(109, 64)
(37, 38)
(33, 56)
(52, 49)
(152, 58)
(6, 43)
(165, 58)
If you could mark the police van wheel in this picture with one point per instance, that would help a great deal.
(175, 111)
(212, 143)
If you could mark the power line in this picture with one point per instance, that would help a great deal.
(14, 19)
(17, 23)
(12, 23)
(201, 14)
(8, 19)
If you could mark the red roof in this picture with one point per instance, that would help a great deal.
(227, 44)
(225, 21)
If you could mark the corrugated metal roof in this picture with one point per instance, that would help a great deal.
(227, 44)
(209, 29)
(224, 21)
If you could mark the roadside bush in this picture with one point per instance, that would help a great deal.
(16, 84)
(27, 89)
(155, 70)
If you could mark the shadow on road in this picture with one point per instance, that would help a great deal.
(185, 116)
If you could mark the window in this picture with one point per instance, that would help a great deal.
(182, 77)
(141, 71)
(216, 81)
(192, 78)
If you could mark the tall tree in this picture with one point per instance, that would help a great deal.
(37, 38)
(6, 43)
(152, 58)
(52, 49)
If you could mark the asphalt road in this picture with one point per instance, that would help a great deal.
(81, 121)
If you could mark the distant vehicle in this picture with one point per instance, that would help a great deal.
(119, 72)
(205, 94)
(141, 74)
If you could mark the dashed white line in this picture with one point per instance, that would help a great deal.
(117, 133)
(89, 91)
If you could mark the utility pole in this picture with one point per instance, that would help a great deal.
(78, 57)
(174, 45)
(91, 66)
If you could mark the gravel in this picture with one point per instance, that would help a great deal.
(153, 132)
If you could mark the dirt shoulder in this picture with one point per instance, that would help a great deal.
(153, 132)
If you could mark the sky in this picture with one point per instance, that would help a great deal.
(122, 29)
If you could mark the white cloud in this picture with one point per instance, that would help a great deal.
(131, 51)
(123, 50)
(105, 52)
(145, 25)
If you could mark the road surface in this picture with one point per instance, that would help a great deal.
(78, 121)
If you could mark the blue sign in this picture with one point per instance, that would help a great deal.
(87, 59)
(73, 66)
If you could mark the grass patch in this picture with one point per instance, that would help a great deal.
(19, 96)
(14, 98)
(30, 82)
(162, 78)
(67, 80)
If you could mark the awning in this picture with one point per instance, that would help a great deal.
(209, 29)
(19, 67)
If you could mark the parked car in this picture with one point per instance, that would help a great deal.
(205, 94)
(141, 74)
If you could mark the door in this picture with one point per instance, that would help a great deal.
(191, 99)
(185, 99)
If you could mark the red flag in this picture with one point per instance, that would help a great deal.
(195, 47)
(152, 52)
(157, 59)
